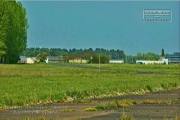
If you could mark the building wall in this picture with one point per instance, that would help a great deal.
(26, 60)
(148, 62)
(116, 61)
(78, 61)
(174, 58)
(29, 60)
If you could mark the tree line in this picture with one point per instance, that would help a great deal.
(92, 55)
(87, 54)
(112, 54)
(13, 30)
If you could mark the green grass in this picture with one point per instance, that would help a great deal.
(41, 83)
(115, 104)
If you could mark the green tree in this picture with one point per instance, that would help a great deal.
(151, 56)
(2, 48)
(42, 56)
(139, 56)
(147, 56)
(67, 57)
(13, 29)
(88, 54)
(104, 59)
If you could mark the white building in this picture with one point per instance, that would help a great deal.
(78, 60)
(54, 59)
(163, 61)
(116, 61)
(24, 59)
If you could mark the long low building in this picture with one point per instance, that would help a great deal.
(78, 60)
(116, 61)
(163, 61)
(174, 58)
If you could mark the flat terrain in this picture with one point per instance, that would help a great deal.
(81, 91)
(140, 110)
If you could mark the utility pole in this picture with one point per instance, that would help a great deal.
(91, 59)
(126, 58)
(34, 51)
(99, 63)
(132, 59)
(39, 49)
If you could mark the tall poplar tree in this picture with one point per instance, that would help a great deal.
(162, 53)
(13, 30)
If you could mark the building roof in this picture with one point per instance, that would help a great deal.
(175, 55)
(23, 57)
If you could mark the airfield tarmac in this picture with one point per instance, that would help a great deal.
(138, 111)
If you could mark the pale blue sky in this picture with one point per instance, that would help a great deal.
(101, 24)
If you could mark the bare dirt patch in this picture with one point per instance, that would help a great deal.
(156, 105)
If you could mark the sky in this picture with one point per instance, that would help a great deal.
(102, 24)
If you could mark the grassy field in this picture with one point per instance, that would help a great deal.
(22, 85)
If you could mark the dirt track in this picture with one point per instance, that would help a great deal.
(137, 111)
